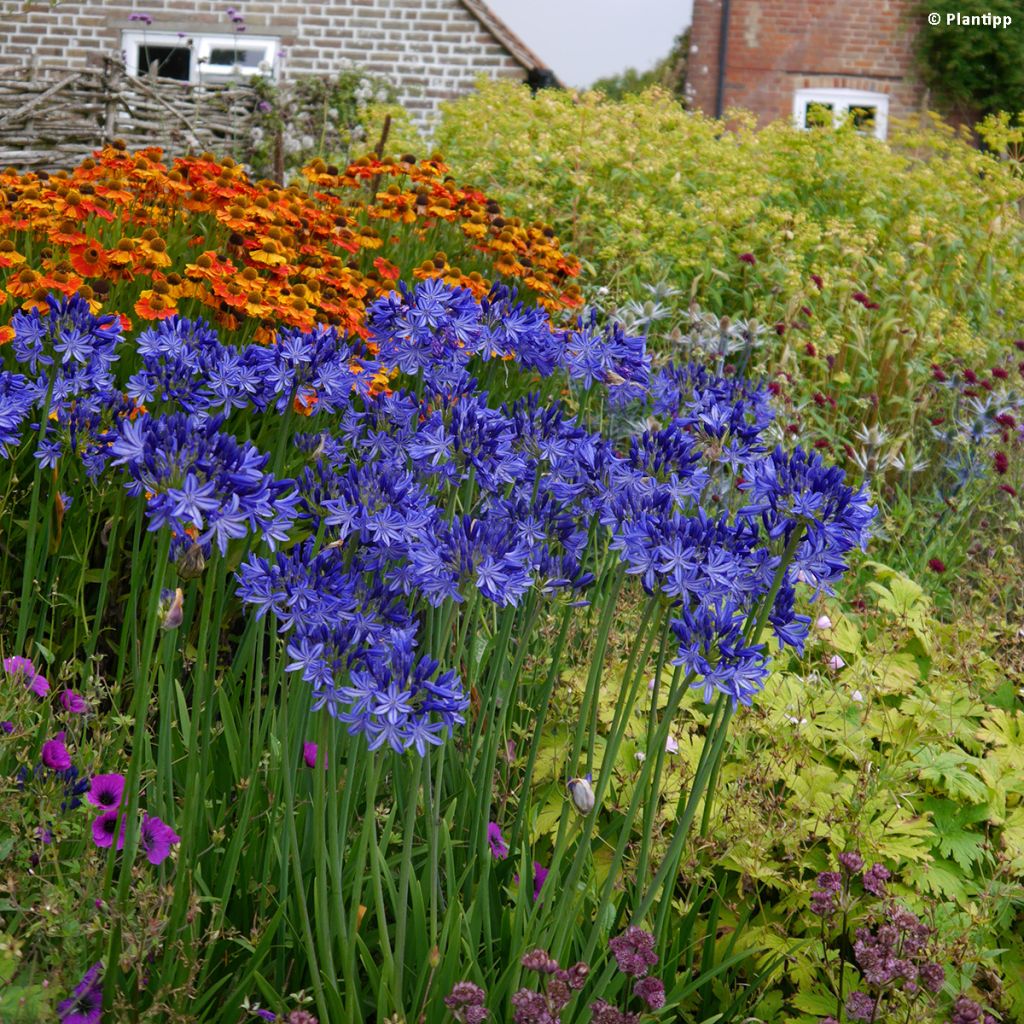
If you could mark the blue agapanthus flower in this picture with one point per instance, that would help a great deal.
(197, 479)
(402, 700)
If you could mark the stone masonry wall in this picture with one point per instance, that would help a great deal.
(431, 49)
(779, 46)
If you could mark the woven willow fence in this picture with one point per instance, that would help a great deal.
(53, 118)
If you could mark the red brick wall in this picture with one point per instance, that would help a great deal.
(431, 49)
(778, 46)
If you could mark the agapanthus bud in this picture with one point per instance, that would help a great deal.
(171, 608)
(582, 793)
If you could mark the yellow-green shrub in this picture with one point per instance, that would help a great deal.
(928, 226)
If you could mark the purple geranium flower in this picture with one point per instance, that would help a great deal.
(309, 751)
(540, 873)
(157, 839)
(73, 702)
(104, 829)
(55, 755)
(106, 791)
(23, 669)
(85, 1005)
(499, 848)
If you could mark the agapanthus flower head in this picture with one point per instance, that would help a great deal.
(105, 791)
(402, 700)
(201, 483)
(156, 839)
(85, 1004)
(22, 670)
(18, 395)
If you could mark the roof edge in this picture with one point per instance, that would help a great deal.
(490, 21)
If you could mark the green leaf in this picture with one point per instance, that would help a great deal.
(950, 821)
(941, 878)
(819, 1003)
(949, 770)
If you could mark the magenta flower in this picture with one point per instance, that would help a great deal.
(540, 873)
(309, 751)
(85, 1005)
(73, 702)
(499, 848)
(157, 839)
(55, 755)
(104, 828)
(23, 669)
(634, 951)
(651, 991)
(106, 791)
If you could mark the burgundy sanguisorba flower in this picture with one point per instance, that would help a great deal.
(634, 951)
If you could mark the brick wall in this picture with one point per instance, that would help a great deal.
(431, 49)
(778, 46)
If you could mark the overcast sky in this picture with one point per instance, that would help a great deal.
(582, 40)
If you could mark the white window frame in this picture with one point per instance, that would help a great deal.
(841, 100)
(202, 44)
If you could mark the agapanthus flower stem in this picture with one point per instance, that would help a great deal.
(32, 547)
(412, 795)
(542, 706)
(128, 812)
(665, 876)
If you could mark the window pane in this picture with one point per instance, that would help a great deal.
(229, 56)
(863, 117)
(170, 61)
(817, 115)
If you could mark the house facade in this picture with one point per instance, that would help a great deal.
(432, 50)
(809, 60)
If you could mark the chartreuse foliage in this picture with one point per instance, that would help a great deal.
(896, 734)
(877, 258)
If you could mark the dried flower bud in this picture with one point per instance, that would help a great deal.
(191, 562)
